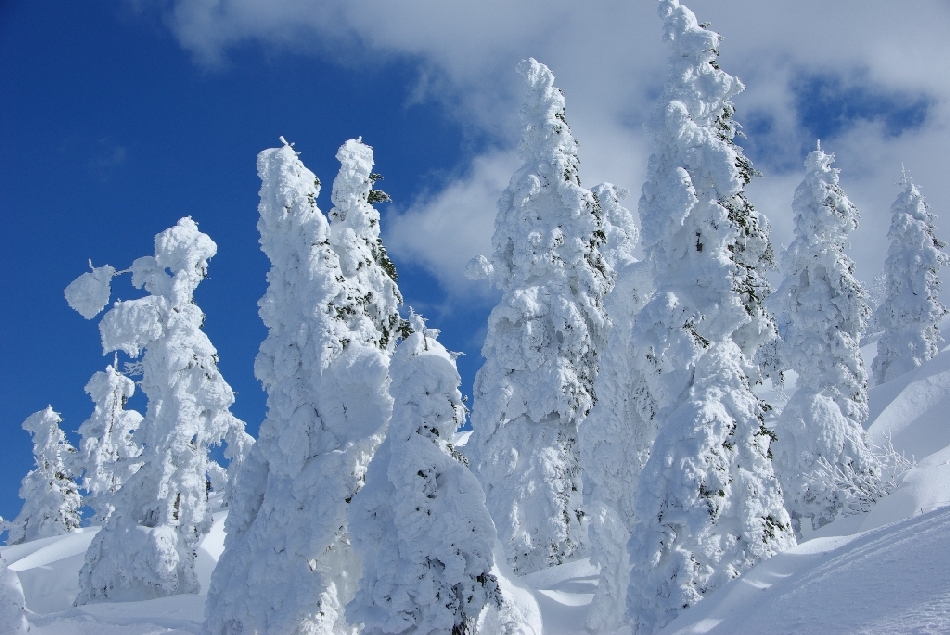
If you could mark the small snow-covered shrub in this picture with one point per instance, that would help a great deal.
(50, 496)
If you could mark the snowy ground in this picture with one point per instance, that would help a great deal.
(887, 571)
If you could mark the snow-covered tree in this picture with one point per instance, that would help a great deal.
(910, 311)
(611, 453)
(147, 547)
(822, 313)
(12, 603)
(420, 524)
(50, 496)
(108, 455)
(354, 236)
(536, 386)
(288, 566)
(708, 505)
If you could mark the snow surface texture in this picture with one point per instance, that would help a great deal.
(911, 308)
(108, 455)
(612, 454)
(51, 499)
(536, 386)
(288, 566)
(821, 313)
(12, 614)
(708, 506)
(147, 547)
(420, 524)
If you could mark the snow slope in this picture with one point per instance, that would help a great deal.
(887, 571)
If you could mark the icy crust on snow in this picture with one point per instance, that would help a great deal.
(911, 308)
(288, 566)
(354, 235)
(420, 523)
(536, 386)
(51, 498)
(708, 505)
(821, 313)
(147, 547)
(108, 455)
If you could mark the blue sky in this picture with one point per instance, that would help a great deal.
(118, 117)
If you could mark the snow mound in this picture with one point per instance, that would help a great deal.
(891, 580)
(913, 409)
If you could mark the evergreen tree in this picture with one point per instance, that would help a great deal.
(420, 524)
(51, 498)
(911, 309)
(611, 456)
(354, 236)
(536, 386)
(822, 314)
(288, 566)
(147, 547)
(107, 453)
(708, 505)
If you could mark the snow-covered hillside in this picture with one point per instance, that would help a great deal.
(887, 571)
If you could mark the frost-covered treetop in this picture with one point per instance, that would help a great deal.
(354, 234)
(693, 119)
(823, 212)
(547, 223)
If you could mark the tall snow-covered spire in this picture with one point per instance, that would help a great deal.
(107, 453)
(536, 386)
(708, 505)
(822, 312)
(354, 235)
(911, 309)
(51, 499)
(147, 548)
(325, 369)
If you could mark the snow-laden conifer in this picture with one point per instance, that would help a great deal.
(822, 313)
(147, 548)
(708, 505)
(611, 453)
(354, 236)
(420, 524)
(536, 386)
(288, 566)
(108, 455)
(911, 309)
(12, 603)
(50, 496)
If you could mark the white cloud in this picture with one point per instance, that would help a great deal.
(445, 230)
(609, 59)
